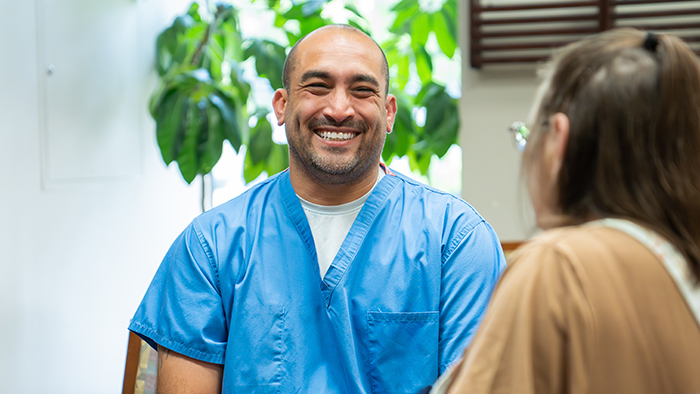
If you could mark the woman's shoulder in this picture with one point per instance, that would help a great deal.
(586, 254)
(573, 241)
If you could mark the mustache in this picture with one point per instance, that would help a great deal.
(347, 123)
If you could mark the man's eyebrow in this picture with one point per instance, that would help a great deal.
(326, 75)
(366, 78)
(314, 74)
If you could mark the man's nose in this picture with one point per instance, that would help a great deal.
(339, 107)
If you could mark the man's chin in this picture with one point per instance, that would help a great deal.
(337, 169)
(336, 173)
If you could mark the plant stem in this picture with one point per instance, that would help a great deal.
(204, 190)
(198, 52)
(207, 36)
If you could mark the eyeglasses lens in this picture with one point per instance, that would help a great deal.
(520, 134)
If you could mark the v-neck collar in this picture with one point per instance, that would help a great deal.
(353, 240)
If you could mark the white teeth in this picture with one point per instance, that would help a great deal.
(334, 136)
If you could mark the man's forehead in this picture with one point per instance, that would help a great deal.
(331, 47)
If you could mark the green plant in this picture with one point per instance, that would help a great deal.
(203, 99)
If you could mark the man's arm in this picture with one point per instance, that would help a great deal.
(178, 374)
(471, 269)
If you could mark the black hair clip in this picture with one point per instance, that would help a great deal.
(651, 42)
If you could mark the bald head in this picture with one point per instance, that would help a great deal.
(291, 61)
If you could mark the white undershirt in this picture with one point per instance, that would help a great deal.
(330, 225)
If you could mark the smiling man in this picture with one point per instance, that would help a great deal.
(335, 276)
(337, 113)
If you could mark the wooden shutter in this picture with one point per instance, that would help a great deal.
(526, 31)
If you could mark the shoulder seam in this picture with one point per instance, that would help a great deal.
(459, 239)
(208, 252)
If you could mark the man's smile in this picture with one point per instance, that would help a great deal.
(336, 135)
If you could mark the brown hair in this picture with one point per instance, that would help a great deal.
(633, 102)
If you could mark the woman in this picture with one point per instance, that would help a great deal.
(606, 299)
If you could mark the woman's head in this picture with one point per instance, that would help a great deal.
(616, 133)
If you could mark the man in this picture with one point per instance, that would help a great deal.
(335, 276)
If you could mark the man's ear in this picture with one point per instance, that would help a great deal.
(391, 109)
(279, 104)
(558, 140)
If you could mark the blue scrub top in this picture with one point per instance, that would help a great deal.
(401, 300)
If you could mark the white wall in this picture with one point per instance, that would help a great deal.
(87, 208)
(492, 98)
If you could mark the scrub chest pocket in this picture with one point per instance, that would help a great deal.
(417, 333)
(264, 342)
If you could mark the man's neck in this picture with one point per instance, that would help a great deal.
(313, 190)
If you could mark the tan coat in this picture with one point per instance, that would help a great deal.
(584, 310)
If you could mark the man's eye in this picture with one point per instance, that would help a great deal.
(364, 90)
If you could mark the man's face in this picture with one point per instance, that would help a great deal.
(336, 112)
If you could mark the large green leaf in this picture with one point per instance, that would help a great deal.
(389, 148)
(240, 89)
(362, 28)
(424, 162)
(294, 13)
(419, 157)
(428, 92)
(182, 52)
(252, 171)
(404, 113)
(404, 4)
(442, 118)
(193, 11)
(445, 135)
(164, 55)
(404, 18)
(390, 50)
(278, 159)
(214, 55)
(420, 29)
(187, 158)
(292, 38)
(196, 31)
(227, 16)
(187, 80)
(435, 105)
(233, 43)
(424, 64)
(167, 44)
(449, 8)
(404, 134)
(311, 23)
(280, 20)
(443, 34)
(351, 7)
(399, 140)
(404, 72)
(157, 99)
(269, 60)
(215, 139)
(227, 110)
(261, 143)
(169, 126)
